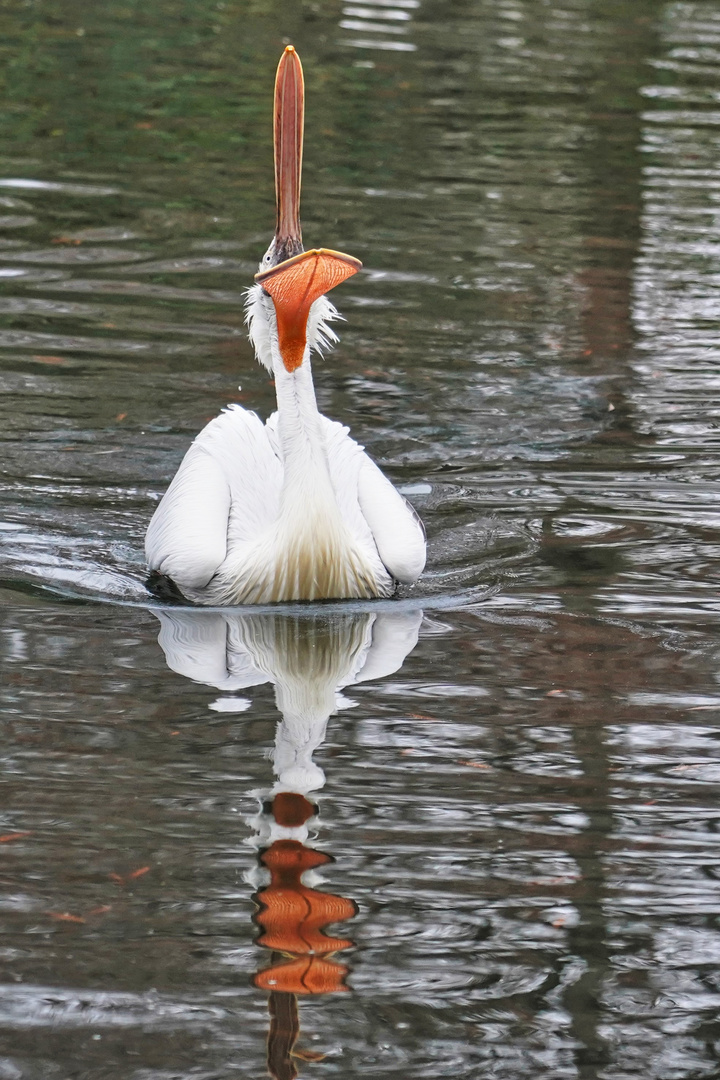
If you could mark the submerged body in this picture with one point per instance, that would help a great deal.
(292, 509)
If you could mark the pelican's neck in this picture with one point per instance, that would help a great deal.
(312, 552)
(300, 434)
(298, 415)
(300, 429)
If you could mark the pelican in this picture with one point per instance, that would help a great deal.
(292, 509)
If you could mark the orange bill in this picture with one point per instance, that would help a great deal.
(294, 285)
(288, 131)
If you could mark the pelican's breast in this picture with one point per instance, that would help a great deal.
(319, 560)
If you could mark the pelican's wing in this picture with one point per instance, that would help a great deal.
(396, 528)
(365, 493)
(229, 481)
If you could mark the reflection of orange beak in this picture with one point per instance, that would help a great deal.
(292, 917)
(288, 131)
(294, 285)
(304, 975)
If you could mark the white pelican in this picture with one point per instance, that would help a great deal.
(292, 509)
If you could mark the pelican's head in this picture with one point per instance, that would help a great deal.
(288, 304)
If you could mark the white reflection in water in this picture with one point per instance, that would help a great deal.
(52, 185)
(309, 660)
(384, 18)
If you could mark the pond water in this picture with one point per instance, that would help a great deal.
(469, 833)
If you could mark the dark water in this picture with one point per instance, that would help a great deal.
(518, 782)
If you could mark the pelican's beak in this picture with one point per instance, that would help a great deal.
(288, 132)
(294, 285)
(298, 278)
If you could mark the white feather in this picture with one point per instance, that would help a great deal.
(395, 526)
(258, 319)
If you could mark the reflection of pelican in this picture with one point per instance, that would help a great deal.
(293, 509)
(308, 659)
